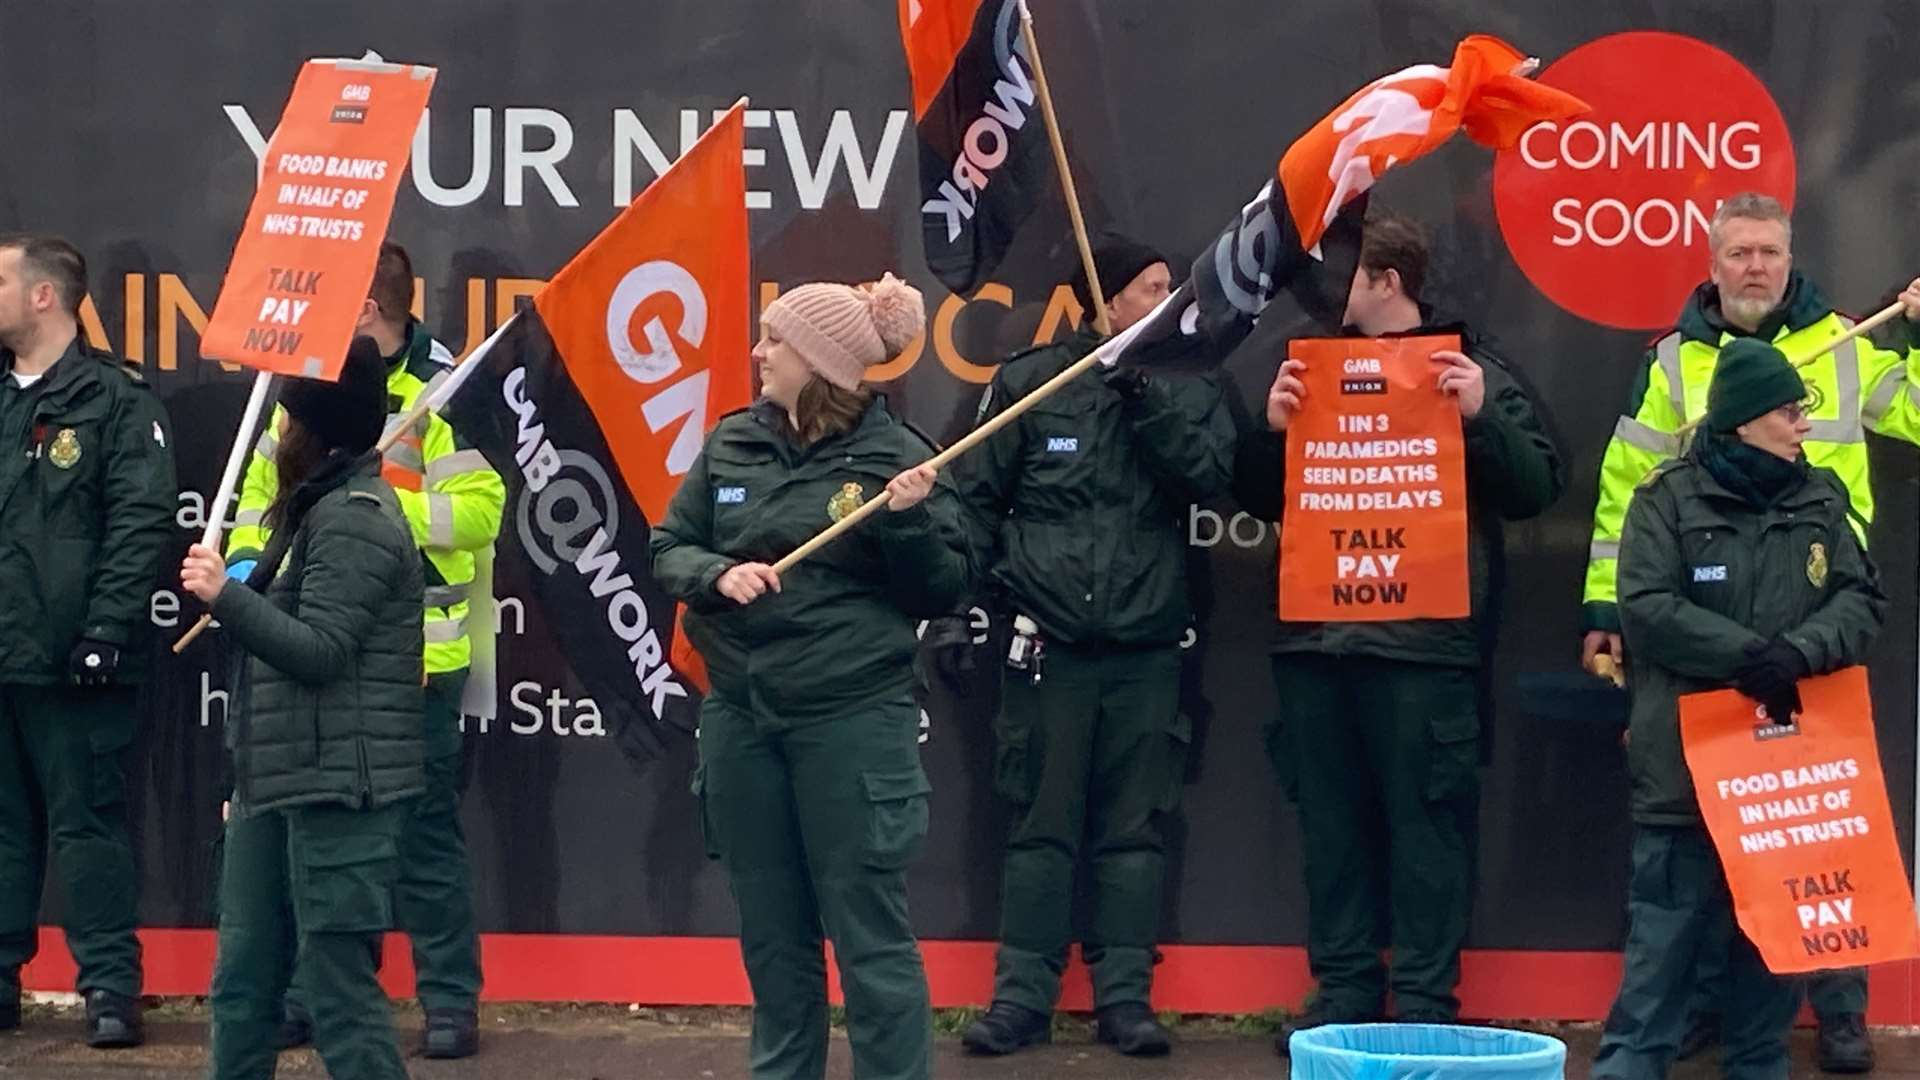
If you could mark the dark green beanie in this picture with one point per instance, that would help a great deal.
(1751, 379)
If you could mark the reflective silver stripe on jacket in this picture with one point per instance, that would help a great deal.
(1646, 437)
(439, 520)
(1667, 355)
(458, 463)
(1846, 377)
(440, 596)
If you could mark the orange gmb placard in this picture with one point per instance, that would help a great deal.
(1800, 817)
(305, 257)
(1375, 526)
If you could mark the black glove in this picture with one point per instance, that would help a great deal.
(1130, 383)
(1771, 676)
(92, 663)
(948, 644)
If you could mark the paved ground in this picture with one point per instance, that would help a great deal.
(615, 1044)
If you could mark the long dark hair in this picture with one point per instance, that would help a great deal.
(299, 455)
(822, 410)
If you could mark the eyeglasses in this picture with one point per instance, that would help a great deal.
(1794, 412)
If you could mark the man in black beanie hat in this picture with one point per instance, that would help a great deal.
(1078, 515)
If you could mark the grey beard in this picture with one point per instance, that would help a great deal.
(1746, 313)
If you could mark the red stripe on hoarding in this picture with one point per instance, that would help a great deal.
(1218, 979)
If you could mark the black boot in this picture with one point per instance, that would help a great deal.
(1130, 1027)
(113, 1021)
(296, 1026)
(450, 1034)
(1844, 1046)
(1317, 1014)
(9, 1011)
(1007, 1027)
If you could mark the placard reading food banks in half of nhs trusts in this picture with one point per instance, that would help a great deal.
(300, 270)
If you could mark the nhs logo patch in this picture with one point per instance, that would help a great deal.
(1709, 573)
(730, 495)
(1062, 444)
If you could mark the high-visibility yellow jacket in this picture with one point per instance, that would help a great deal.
(1864, 385)
(452, 499)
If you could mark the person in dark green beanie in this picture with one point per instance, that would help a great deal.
(1739, 566)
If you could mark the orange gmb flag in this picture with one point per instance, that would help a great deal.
(593, 404)
(1375, 526)
(305, 256)
(1402, 116)
(1800, 817)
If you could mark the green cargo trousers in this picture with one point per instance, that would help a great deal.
(1093, 753)
(816, 826)
(433, 903)
(1381, 759)
(1679, 913)
(63, 787)
(314, 882)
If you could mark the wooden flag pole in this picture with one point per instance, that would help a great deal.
(940, 461)
(1043, 391)
(1094, 290)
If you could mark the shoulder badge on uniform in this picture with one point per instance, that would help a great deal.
(1817, 564)
(65, 451)
(845, 501)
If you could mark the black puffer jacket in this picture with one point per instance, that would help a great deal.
(330, 702)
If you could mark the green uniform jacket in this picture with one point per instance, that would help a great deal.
(87, 500)
(1078, 509)
(840, 633)
(1703, 575)
(1863, 385)
(1514, 472)
(329, 707)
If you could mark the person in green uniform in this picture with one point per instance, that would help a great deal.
(324, 736)
(453, 502)
(87, 499)
(1078, 515)
(810, 781)
(1739, 566)
(1377, 740)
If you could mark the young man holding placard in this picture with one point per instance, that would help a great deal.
(1378, 736)
(1739, 566)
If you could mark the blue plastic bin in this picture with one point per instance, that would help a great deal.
(1424, 1052)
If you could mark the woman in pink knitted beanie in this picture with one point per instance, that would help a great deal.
(810, 783)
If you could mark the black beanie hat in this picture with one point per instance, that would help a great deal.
(1118, 261)
(348, 414)
(1750, 379)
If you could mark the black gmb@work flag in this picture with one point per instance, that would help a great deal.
(985, 163)
(593, 404)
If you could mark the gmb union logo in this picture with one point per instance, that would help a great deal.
(1607, 213)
